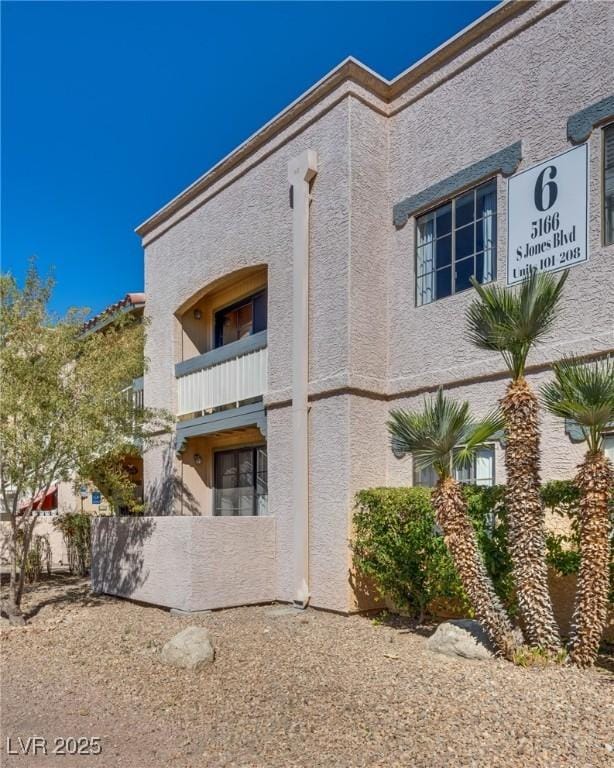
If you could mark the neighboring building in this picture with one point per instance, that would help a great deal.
(63, 496)
(318, 276)
(87, 497)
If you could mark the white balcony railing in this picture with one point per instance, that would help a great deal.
(206, 382)
(134, 393)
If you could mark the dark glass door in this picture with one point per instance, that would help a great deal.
(241, 482)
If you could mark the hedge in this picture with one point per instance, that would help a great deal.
(398, 546)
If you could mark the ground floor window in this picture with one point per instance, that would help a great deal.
(480, 471)
(241, 482)
(608, 446)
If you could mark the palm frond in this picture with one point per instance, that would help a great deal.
(512, 320)
(477, 435)
(584, 393)
(432, 434)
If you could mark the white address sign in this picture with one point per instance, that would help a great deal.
(548, 216)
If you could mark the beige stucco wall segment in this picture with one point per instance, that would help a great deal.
(233, 561)
(190, 563)
(329, 499)
(265, 142)
(249, 223)
(370, 239)
(525, 89)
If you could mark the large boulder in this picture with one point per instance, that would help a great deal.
(461, 637)
(189, 649)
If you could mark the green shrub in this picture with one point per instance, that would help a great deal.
(563, 550)
(486, 508)
(561, 495)
(397, 546)
(76, 529)
(38, 557)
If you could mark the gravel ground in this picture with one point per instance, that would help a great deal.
(286, 689)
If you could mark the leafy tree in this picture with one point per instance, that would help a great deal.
(512, 322)
(430, 436)
(62, 405)
(109, 475)
(585, 394)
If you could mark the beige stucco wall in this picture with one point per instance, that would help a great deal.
(190, 563)
(560, 456)
(44, 527)
(370, 347)
(523, 90)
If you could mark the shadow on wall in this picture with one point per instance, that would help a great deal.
(365, 593)
(169, 489)
(117, 553)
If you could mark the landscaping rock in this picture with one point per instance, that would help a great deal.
(461, 637)
(189, 649)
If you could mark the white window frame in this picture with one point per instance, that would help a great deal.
(432, 477)
(609, 128)
(432, 215)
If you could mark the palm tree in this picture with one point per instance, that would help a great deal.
(512, 322)
(585, 394)
(431, 436)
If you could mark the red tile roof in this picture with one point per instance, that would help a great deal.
(130, 301)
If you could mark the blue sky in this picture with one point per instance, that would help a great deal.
(110, 109)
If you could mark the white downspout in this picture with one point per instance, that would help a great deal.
(301, 171)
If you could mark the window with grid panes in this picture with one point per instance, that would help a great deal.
(454, 242)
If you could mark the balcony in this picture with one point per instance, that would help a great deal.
(137, 393)
(227, 376)
(134, 393)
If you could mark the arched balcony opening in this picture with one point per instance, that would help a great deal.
(227, 310)
(223, 351)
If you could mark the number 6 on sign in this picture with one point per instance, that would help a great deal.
(547, 215)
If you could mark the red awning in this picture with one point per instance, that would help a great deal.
(50, 500)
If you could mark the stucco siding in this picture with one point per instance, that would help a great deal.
(370, 347)
(143, 558)
(560, 456)
(162, 478)
(368, 469)
(279, 448)
(524, 90)
(190, 563)
(328, 501)
(232, 561)
(367, 286)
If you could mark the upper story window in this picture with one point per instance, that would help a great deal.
(480, 471)
(454, 242)
(241, 319)
(608, 184)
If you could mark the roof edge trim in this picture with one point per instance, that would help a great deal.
(350, 69)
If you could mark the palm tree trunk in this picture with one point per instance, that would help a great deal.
(527, 541)
(459, 535)
(594, 479)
